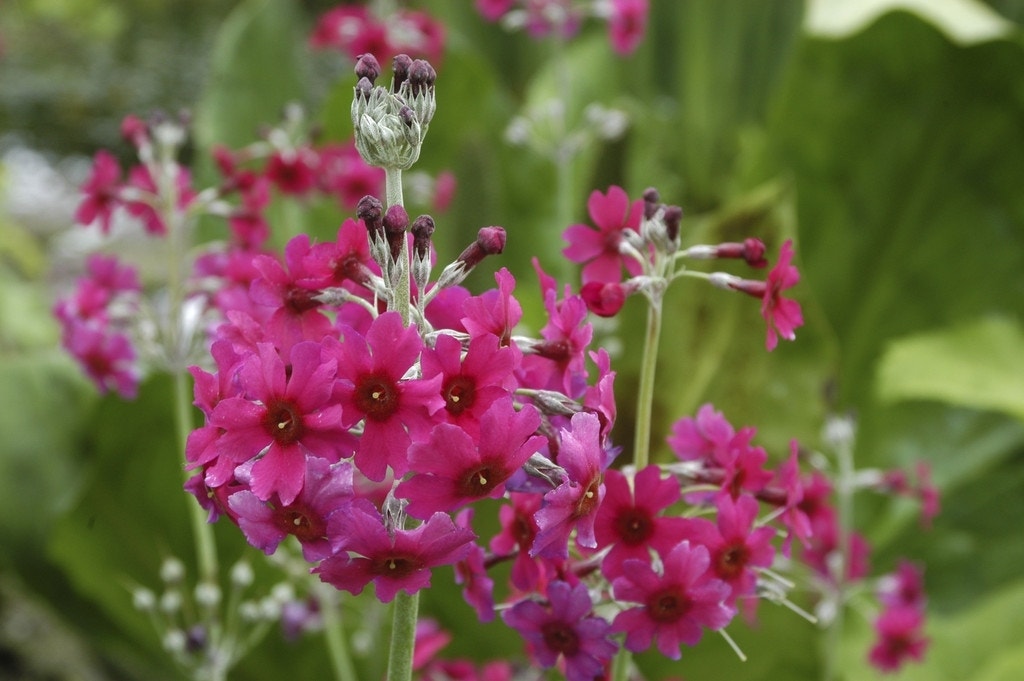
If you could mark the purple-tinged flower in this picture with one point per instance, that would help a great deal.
(108, 358)
(676, 605)
(470, 470)
(706, 437)
(627, 24)
(396, 412)
(495, 311)
(518, 531)
(102, 192)
(564, 628)
(282, 415)
(598, 249)
(397, 560)
(471, 573)
(735, 546)
(326, 489)
(900, 632)
(629, 521)
(573, 504)
(558, 361)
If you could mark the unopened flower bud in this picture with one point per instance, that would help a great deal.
(421, 76)
(367, 67)
(422, 229)
(371, 211)
(652, 201)
(207, 594)
(400, 66)
(172, 571)
(175, 641)
(144, 600)
(242, 574)
(489, 241)
(364, 88)
(396, 220)
(604, 299)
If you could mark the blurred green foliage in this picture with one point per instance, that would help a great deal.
(893, 156)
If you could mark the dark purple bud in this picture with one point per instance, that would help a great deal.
(400, 66)
(396, 220)
(407, 115)
(651, 202)
(371, 212)
(422, 229)
(673, 216)
(489, 241)
(421, 76)
(752, 250)
(363, 89)
(367, 67)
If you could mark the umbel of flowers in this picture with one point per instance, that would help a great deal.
(356, 402)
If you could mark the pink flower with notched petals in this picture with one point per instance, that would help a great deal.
(495, 311)
(565, 628)
(629, 521)
(557, 362)
(705, 437)
(282, 414)
(396, 411)
(900, 632)
(470, 470)
(518, 530)
(396, 560)
(574, 503)
(102, 192)
(327, 488)
(675, 604)
(598, 249)
(781, 314)
(345, 174)
(627, 24)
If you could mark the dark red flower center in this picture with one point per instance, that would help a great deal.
(377, 397)
(523, 530)
(588, 501)
(283, 422)
(299, 300)
(395, 567)
(479, 482)
(459, 394)
(560, 637)
(299, 520)
(634, 526)
(668, 604)
(731, 560)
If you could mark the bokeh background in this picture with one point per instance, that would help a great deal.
(885, 137)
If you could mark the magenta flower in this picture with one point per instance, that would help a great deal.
(627, 24)
(495, 311)
(102, 192)
(574, 503)
(904, 587)
(326, 489)
(395, 412)
(734, 545)
(283, 415)
(469, 469)
(781, 314)
(293, 171)
(492, 10)
(518, 531)
(332, 263)
(598, 249)
(469, 385)
(345, 174)
(706, 437)
(900, 638)
(471, 573)
(108, 358)
(557, 362)
(675, 605)
(794, 516)
(140, 178)
(397, 560)
(564, 628)
(629, 521)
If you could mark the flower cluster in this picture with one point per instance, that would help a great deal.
(355, 30)
(627, 19)
(357, 405)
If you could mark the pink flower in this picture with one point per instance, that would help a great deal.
(108, 358)
(471, 573)
(574, 503)
(675, 604)
(629, 521)
(794, 517)
(470, 470)
(469, 385)
(900, 638)
(326, 489)
(564, 628)
(396, 560)
(598, 250)
(734, 545)
(518, 531)
(285, 412)
(140, 178)
(101, 192)
(293, 171)
(780, 313)
(495, 311)
(332, 263)
(345, 174)
(627, 24)
(492, 10)
(395, 412)
(904, 587)
(706, 437)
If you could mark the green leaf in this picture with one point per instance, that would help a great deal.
(964, 21)
(979, 365)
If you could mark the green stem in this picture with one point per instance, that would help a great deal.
(645, 396)
(844, 519)
(403, 636)
(621, 664)
(402, 286)
(202, 531)
(334, 632)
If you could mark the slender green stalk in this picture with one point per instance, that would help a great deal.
(844, 519)
(334, 633)
(202, 532)
(621, 664)
(403, 636)
(401, 294)
(645, 393)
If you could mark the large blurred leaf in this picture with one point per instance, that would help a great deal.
(979, 365)
(965, 21)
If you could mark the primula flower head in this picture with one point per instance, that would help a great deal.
(397, 560)
(598, 249)
(780, 314)
(101, 192)
(564, 628)
(676, 604)
(900, 638)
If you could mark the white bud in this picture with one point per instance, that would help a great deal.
(172, 571)
(207, 594)
(242, 574)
